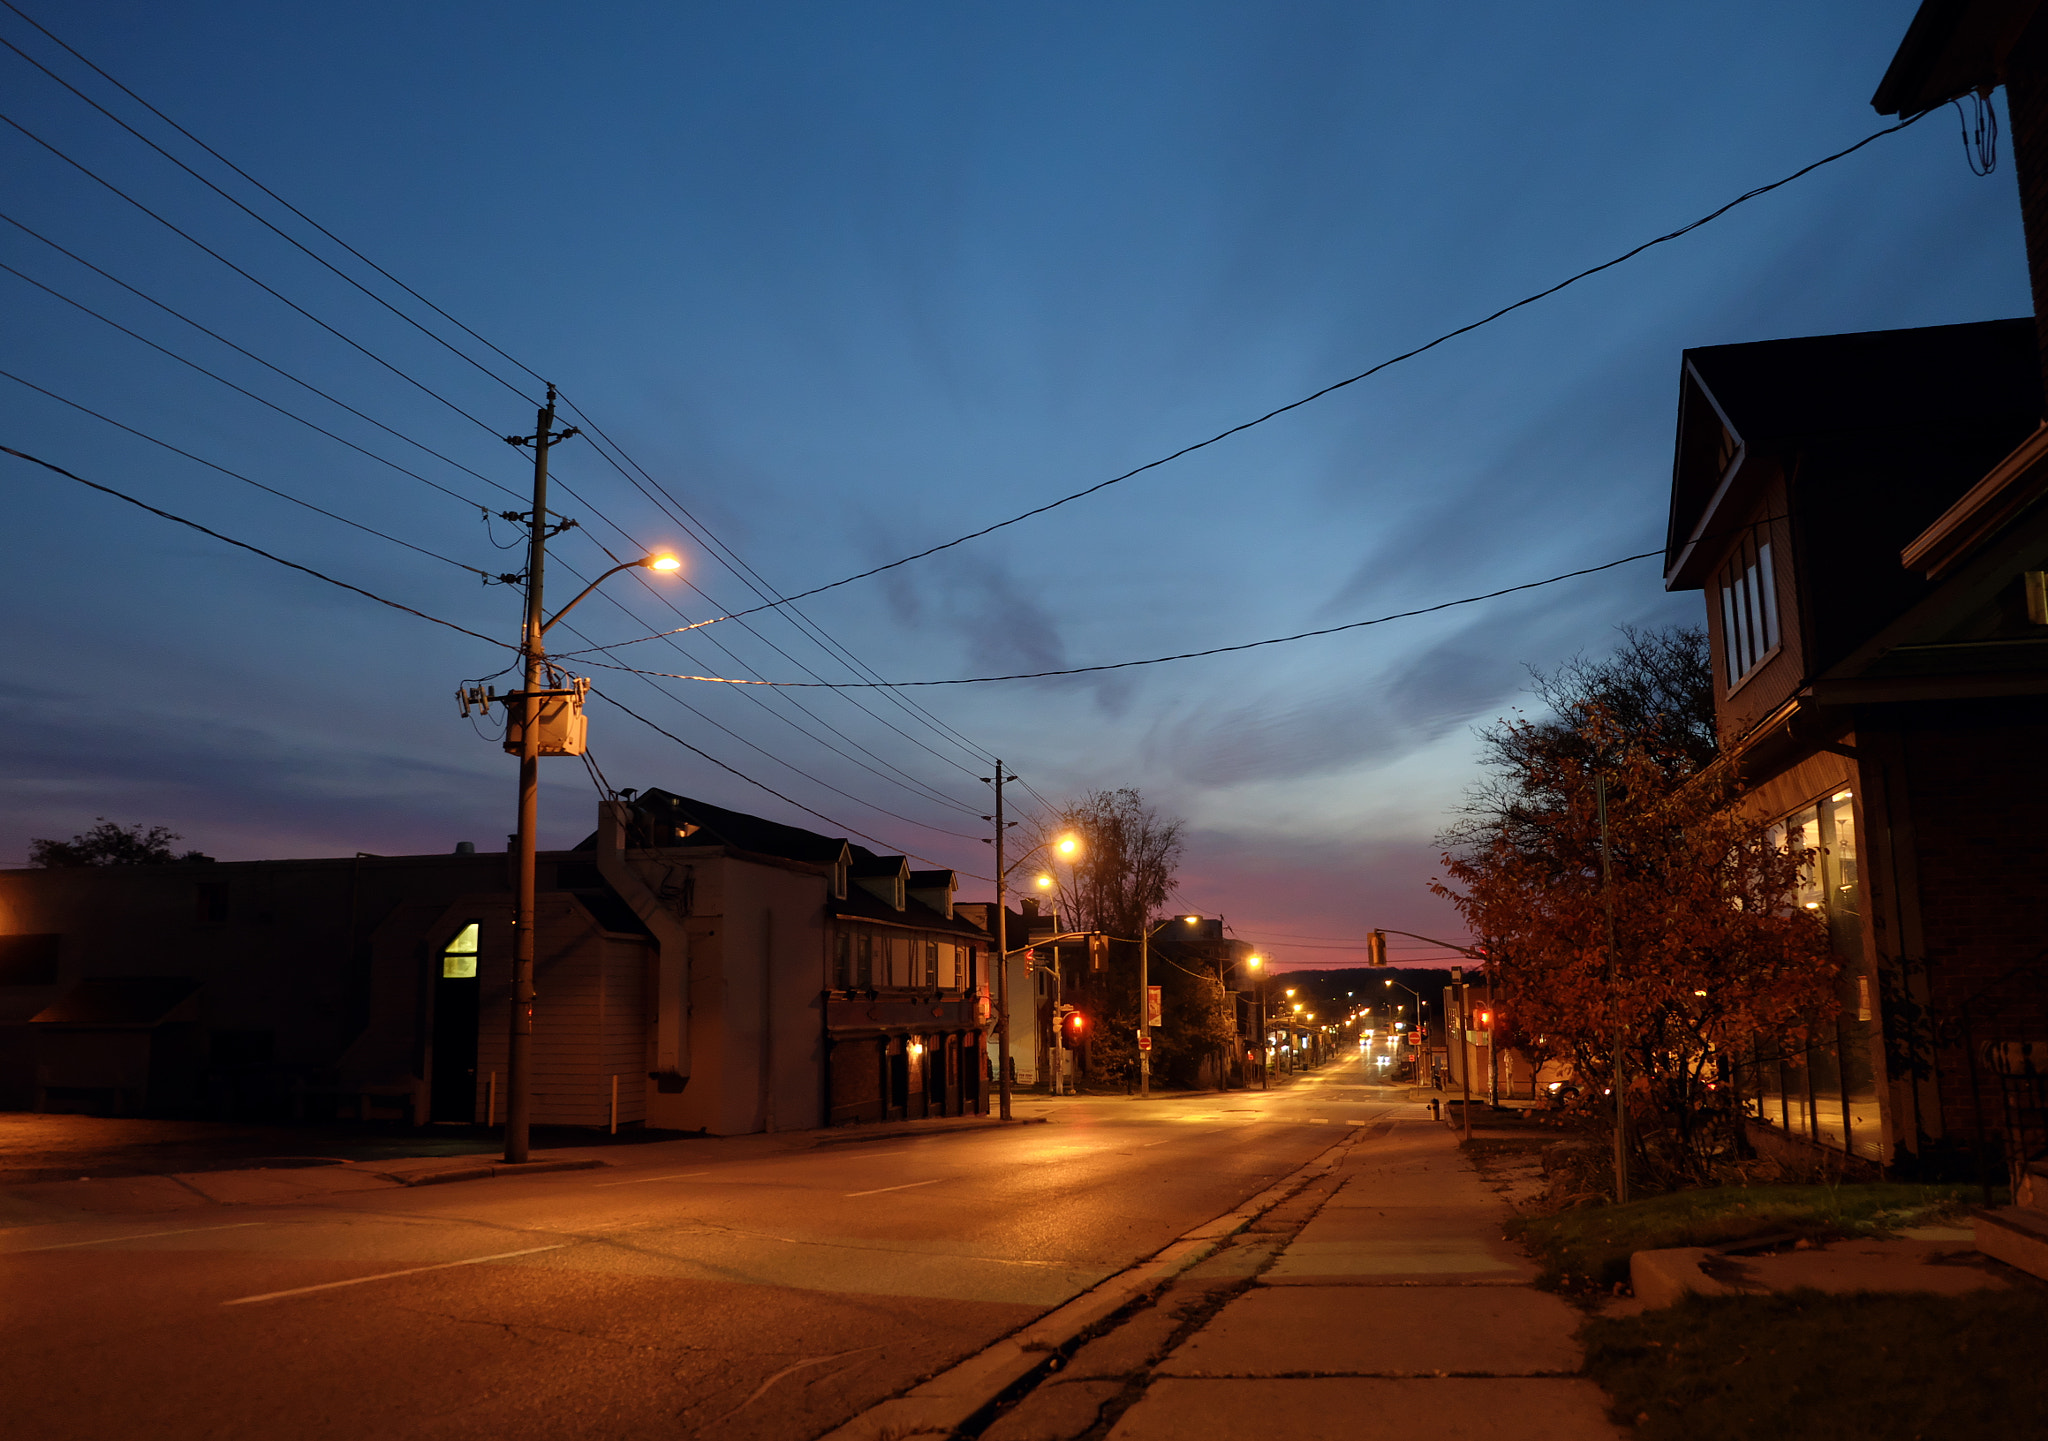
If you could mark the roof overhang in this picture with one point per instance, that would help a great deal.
(1952, 48)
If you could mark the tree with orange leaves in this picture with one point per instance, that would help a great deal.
(1709, 952)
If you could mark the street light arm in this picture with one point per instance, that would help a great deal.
(647, 561)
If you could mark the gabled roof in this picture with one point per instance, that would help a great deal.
(1768, 394)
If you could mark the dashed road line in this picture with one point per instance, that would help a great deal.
(906, 1186)
(140, 1236)
(389, 1275)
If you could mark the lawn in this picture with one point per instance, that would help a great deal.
(1589, 1246)
(1872, 1367)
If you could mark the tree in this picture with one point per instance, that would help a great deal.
(1711, 954)
(1127, 863)
(1123, 874)
(107, 844)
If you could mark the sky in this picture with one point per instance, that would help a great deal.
(839, 283)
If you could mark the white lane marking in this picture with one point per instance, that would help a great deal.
(140, 1236)
(1354, 1123)
(643, 1180)
(390, 1275)
(906, 1186)
(1197, 1136)
(1319, 1120)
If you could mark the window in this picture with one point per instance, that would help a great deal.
(842, 961)
(458, 961)
(1749, 609)
(931, 963)
(864, 969)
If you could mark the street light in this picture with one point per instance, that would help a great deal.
(1067, 845)
(519, 1043)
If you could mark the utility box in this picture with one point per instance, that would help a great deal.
(564, 730)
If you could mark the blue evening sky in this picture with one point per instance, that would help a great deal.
(849, 280)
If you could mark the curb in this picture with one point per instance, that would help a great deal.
(949, 1401)
(484, 1173)
(877, 1133)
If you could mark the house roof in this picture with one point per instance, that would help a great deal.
(859, 905)
(1951, 48)
(1770, 393)
(660, 814)
(118, 1001)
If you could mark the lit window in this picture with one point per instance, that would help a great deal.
(458, 962)
(1749, 609)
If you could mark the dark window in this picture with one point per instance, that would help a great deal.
(241, 1048)
(864, 971)
(28, 960)
(842, 961)
(210, 903)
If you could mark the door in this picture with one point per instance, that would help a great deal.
(455, 1018)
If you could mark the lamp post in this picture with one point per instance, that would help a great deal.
(1145, 998)
(519, 1042)
(1257, 965)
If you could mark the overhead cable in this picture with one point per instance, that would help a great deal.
(1243, 426)
(1153, 660)
(253, 549)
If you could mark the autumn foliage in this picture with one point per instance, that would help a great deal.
(1709, 952)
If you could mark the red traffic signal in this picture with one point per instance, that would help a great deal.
(1482, 1019)
(1075, 1025)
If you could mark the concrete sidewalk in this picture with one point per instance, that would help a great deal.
(1396, 1309)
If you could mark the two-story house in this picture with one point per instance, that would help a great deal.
(1848, 505)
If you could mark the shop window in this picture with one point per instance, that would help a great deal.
(458, 961)
(1749, 610)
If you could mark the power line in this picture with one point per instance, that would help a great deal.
(268, 365)
(451, 625)
(1163, 659)
(253, 549)
(259, 219)
(274, 195)
(239, 390)
(1243, 426)
(90, 174)
(769, 789)
(237, 475)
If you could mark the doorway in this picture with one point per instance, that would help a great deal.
(453, 1095)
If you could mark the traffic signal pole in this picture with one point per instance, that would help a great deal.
(1002, 958)
(1144, 1010)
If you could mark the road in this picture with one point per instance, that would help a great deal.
(737, 1288)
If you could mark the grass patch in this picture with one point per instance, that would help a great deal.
(1872, 1367)
(1590, 1246)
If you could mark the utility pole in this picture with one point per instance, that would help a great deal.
(1002, 957)
(1145, 1007)
(519, 1052)
(1614, 999)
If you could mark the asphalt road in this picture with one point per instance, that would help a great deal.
(734, 1288)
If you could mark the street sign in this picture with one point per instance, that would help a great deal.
(1153, 1006)
(1144, 1043)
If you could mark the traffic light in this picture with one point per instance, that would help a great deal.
(1073, 1026)
(1376, 949)
(1098, 951)
(1482, 1019)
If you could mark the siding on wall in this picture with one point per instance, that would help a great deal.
(1774, 682)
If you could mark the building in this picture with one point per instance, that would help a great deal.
(698, 970)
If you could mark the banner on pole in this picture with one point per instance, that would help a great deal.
(1153, 1005)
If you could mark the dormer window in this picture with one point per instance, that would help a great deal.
(1749, 609)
